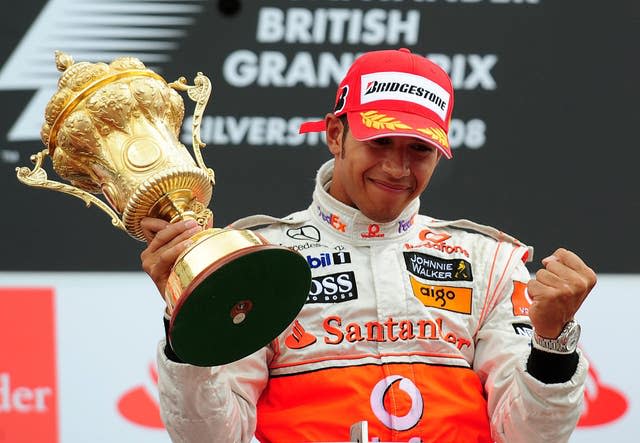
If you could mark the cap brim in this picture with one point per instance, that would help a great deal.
(368, 125)
(313, 126)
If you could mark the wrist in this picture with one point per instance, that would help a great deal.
(565, 342)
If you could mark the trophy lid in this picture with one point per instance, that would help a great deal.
(78, 81)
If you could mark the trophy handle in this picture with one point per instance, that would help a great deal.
(38, 178)
(199, 92)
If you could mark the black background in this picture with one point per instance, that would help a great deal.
(559, 166)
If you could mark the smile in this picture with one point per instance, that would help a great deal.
(391, 187)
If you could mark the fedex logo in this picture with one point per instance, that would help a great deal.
(404, 225)
(327, 259)
(332, 220)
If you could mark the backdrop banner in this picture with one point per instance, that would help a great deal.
(82, 359)
(542, 129)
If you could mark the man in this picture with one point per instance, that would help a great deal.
(419, 326)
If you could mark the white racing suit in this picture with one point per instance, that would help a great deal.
(417, 326)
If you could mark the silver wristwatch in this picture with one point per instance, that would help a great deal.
(566, 343)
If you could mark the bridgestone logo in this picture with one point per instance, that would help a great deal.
(405, 87)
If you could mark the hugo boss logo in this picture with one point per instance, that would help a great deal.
(333, 288)
(429, 267)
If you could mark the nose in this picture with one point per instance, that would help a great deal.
(396, 162)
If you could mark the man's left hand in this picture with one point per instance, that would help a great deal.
(557, 291)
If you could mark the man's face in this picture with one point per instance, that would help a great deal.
(380, 177)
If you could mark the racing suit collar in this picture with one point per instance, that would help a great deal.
(348, 222)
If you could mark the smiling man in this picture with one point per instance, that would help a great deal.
(428, 330)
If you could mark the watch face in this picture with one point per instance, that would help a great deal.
(575, 336)
(573, 342)
(572, 335)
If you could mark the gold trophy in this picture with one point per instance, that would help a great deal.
(112, 129)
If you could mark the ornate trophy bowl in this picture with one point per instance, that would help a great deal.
(112, 129)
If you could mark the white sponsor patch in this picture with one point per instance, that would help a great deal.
(405, 87)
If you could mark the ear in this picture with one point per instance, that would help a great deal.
(334, 133)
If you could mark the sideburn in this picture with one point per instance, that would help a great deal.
(345, 130)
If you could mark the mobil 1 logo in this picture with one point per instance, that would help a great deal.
(429, 267)
(333, 288)
(328, 259)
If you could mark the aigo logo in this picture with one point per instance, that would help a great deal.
(380, 410)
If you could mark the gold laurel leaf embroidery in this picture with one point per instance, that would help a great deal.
(436, 134)
(372, 119)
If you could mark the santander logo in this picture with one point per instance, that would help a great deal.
(603, 404)
(299, 337)
(139, 406)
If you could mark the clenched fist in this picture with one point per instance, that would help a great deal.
(557, 291)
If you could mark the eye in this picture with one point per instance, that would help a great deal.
(382, 141)
(424, 148)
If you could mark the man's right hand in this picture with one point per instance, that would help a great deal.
(165, 242)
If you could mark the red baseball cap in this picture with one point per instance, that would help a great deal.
(394, 93)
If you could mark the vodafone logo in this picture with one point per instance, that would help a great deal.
(373, 231)
(397, 423)
(437, 241)
(139, 406)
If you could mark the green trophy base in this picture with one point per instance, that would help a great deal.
(238, 305)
